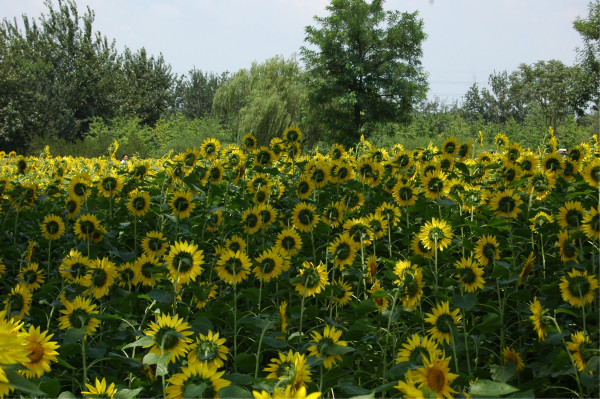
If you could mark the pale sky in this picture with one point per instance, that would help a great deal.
(467, 39)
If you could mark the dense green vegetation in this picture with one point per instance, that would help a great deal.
(62, 82)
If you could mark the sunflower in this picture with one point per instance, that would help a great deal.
(434, 185)
(73, 206)
(443, 321)
(31, 276)
(369, 172)
(88, 227)
(182, 204)
(305, 187)
(337, 152)
(214, 220)
(251, 220)
(409, 388)
(292, 134)
(305, 216)
(261, 196)
(271, 263)
(290, 370)
(470, 275)
(528, 162)
(402, 160)
(341, 292)
(109, 186)
(125, 275)
(380, 301)
(154, 244)
(333, 214)
(541, 184)
(209, 350)
(249, 142)
(233, 267)
(435, 376)
(236, 243)
(501, 141)
(100, 390)
(18, 302)
(527, 268)
(170, 334)
(570, 170)
(41, 352)
(570, 216)
(210, 148)
(418, 248)
(268, 215)
(289, 242)
(52, 227)
(264, 156)
(581, 349)
(323, 343)
(74, 268)
(188, 159)
(591, 173)
(537, 318)
(312, 279)
(13, 349)
(418, 348)
(79, 187)
(390, 212)
(540, 220)
(591, 223)
(567, 248)
(79, 314)
(259, 180)
(343, 250)
(506, 204)
(578, 288)
(450, 146)
(213, 174)
(487, 249)
(286, 393)
(25, 196)
(198, 380)
(318, 172)
(436, 234)
(553, 162)
(511, 355)
(203, 293)
(102, 276)
(378, 226)
(510, 172)
(283, 322)
(232, 157)
(183, 261)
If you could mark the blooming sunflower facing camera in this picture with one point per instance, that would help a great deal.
(435, 376)
(443, 321)
(170, 334)
(208, 349)
(41, 352)
(183, 261)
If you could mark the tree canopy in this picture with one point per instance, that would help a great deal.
(363, 67)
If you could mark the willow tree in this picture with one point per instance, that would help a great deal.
(363, 67)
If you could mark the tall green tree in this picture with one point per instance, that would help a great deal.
(263, 100)
(196, 93)
(363, 67)
(150, 86)
(56, 75)
(589, 54)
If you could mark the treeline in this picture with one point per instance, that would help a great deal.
(62, 83)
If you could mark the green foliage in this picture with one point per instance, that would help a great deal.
(589, 54)
(365, 67)
(264, 100)
(196, 93)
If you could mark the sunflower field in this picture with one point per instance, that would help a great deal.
(259, 271)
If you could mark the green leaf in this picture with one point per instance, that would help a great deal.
(503, 373)
(22, 384)
(500, 271)
(143, 341)
(234, 392)
(275, 342)
(66, 395)
(567, 311)
(161, 365)
(150, 358)
(73, 335)
(162, 296)
(338, 349)
(127, 393)
(51, 387)
(465, 302)
(380, 294)
(194, 390)
(239, 379)
(491, 388)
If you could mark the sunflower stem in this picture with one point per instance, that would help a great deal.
(84, 362)
(260, 340)
(234, 316)
(582, 305)
(568, 352)
(302, 307)
(454, 349)
(387, 335)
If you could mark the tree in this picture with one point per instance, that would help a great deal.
(264, 100)
(197, 91)
(56, 76)
(589, 55)
(150, 86)
(365, 67)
